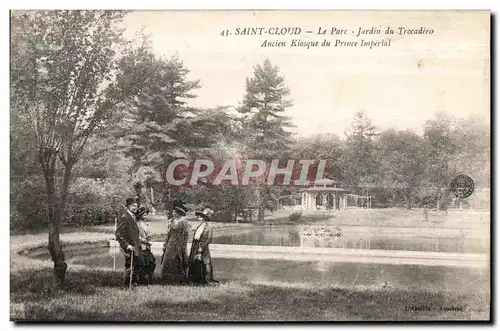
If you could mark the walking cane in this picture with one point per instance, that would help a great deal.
(131, 269)
(162, 256)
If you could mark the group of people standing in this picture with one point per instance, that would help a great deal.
(177, 266)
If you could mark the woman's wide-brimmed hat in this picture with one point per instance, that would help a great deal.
(179, 207)
(141, 211)
(205, 213)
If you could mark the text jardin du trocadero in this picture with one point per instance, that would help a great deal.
(358, 37)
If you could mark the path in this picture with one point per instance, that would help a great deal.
(336, 255)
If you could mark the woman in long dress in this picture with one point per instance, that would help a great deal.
(200, 260)
(174, 262)
(148, 262)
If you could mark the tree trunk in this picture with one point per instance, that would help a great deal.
(438, 200)
(260, 216)
(55, 247)
(164, 193)
(408, 198)
(445, 202)
(236, 205)
(260, 204)
(277, 205)
(425, 214)
(152, 196)
(55, 210)
(57, 254)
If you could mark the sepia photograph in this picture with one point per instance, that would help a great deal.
(250, 165)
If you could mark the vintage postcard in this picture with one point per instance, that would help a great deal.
(246, 166)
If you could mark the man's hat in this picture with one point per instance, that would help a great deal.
(129, 202)
(205, 213)
(179, 207)
(141, 211)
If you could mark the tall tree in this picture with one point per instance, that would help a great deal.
(265, 123)
(263, 108)
(359, 164)
(159, 125)
(154, 127)
(62, 68)
(401, 160)
(440, 148)
(471, 138)
(321, 147)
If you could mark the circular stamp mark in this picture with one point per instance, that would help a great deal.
(462, 186)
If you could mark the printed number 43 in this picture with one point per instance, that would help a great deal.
(224, 33)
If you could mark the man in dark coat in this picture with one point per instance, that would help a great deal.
(127, 235)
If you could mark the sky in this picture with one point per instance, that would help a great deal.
(400, 86)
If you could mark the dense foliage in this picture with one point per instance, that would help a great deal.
(121, 118)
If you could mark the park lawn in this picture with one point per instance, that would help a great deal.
(20, 244)
(388, 217)
(94, 294)
(400, 217)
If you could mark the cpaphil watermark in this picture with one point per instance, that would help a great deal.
(243, 172)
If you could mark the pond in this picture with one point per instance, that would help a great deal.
(354, 237)
(342, 274)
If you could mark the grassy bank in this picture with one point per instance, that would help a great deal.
(96, 295)
(389, 217)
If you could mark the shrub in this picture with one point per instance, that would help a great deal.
(295, 216)
(28, 204)
(90, 202)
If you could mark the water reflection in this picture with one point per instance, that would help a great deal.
(266, 236)
(342, 274)
(353, 238)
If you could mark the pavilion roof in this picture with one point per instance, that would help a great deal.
(323, 189)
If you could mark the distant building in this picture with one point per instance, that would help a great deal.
(326, 194)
